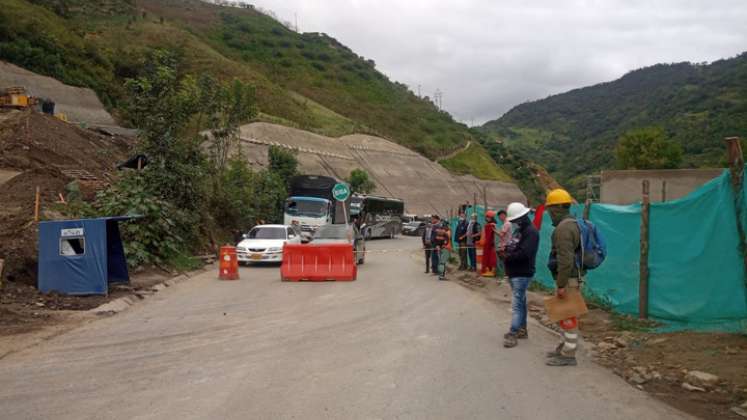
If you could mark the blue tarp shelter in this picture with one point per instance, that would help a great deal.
(81, 257)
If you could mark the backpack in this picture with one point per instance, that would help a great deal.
(593, 246)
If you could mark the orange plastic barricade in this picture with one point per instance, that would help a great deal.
(229, 263)
(328, 262)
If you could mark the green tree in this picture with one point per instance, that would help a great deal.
(282, 163)
(360, 182)
(647, 148)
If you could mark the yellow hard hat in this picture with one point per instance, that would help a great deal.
(558, 196)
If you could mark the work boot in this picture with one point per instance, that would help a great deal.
(561, 360)
(509, 340)
(556, 352)
(522, 333)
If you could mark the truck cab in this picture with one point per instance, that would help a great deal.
(307, 212)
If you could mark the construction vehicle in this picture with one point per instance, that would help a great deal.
(16, 97)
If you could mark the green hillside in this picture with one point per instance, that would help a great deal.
(574, 133)
(476, 161)
(307, 80)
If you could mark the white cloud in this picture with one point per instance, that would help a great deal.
(487, 56)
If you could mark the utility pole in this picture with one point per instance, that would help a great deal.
(295, 15)
(437, 98)
(419, 95)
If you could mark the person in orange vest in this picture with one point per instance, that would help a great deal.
(489, 256)
(442, 243)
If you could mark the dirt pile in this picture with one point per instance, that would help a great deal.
(29, 140)
(49, 154)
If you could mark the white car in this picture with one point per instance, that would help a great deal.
(264, 243)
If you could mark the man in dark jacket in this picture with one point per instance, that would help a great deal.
(431, 255)
(519, 256)
(461, 235)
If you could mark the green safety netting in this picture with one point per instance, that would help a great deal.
(697, 277)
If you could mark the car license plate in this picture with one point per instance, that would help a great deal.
(256, 256)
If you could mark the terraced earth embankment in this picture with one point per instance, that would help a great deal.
(425, 186)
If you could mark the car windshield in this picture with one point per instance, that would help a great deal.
(267, 233)
(307, 208)
(332, 232)
(414, 224)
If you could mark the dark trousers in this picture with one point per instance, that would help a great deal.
(463, 255)
(428, 255)
(472, 252)
(431, 255)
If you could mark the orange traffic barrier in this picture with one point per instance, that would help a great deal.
(329, 262)
(229, 263)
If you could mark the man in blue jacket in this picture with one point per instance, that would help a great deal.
(519, 255)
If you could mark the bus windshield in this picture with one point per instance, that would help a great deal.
(306, 208)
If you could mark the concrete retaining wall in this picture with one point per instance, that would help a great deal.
(425, 186)
(625, 187)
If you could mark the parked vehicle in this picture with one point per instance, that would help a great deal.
(349, 234)
(378, 217)
(264, 243)
(311, 204)
(413, 228)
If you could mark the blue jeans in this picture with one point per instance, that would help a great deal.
(472, 254)
(519, 287)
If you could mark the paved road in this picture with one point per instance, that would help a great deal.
(394, 344)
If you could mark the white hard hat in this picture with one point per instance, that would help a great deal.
(516, 210)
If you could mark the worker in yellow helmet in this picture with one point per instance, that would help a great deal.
(566, 240)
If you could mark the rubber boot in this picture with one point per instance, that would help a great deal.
(561, 361)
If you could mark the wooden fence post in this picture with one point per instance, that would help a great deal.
(643, 282)
(37, 203)
(736, 167)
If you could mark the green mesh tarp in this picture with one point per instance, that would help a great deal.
(696, 278)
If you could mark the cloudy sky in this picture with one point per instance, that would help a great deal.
(487, 56)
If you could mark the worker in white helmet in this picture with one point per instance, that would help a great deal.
(519, 256)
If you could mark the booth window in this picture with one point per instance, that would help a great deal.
(70, 247)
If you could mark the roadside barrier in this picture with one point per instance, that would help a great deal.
(330, 262)
(229, 263)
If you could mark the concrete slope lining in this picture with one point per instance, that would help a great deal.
(425, 186)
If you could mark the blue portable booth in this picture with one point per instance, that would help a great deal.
(81, 257)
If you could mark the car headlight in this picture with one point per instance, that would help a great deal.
(275, 249)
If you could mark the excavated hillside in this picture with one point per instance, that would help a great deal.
(37, 150)
(425, 186)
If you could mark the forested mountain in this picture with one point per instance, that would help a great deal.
(307, 80)
(574, 134)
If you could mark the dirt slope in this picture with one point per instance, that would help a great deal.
(49, 154)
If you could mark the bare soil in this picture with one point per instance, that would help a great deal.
(49, 154)
(654, 362)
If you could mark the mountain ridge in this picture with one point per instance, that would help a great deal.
(574, 133)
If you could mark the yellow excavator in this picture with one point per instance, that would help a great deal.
(16, 97)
